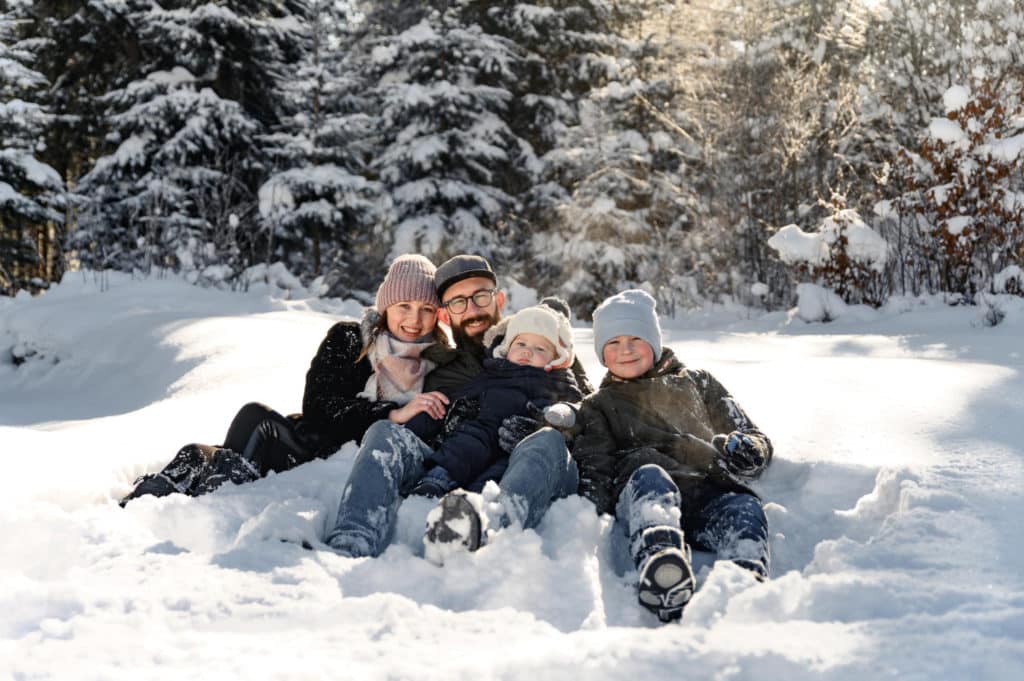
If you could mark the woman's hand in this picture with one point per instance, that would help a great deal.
(433, 403)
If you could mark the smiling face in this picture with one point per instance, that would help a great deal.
(531, 349)
(411, 319)
(628, 356)
(473, 321)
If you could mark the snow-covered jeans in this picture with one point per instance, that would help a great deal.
(390, 462)
(539, 471)
(731, 524)
(387, 466)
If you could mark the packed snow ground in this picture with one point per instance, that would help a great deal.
(895, 503)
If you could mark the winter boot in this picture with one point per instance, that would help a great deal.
(178, 476)
(453, 525)
(665, 579)
(225, 466)
(153, 484)
(757, 567)
(349, 544)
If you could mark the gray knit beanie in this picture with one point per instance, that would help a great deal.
(410, 277)
(630, 313)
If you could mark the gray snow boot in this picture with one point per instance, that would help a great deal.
(665, 579)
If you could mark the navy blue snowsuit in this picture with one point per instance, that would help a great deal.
(471, 453)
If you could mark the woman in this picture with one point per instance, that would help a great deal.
(362, 372)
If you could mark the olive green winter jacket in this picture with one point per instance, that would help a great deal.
(669, 416)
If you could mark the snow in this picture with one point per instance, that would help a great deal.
(955, 98)
(894, 503)
(1006, 150)
(1012, 273)
(863, 244)
(957, 224)
(947, 131)
(795, 245)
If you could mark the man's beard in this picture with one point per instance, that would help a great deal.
(464, 340)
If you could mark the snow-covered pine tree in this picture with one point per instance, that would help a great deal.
(441, 88)
(86, 48)
(318, 204)
(178, 188)
(613, 202)
(31, 192)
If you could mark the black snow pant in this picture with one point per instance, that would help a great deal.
(259, 440)
(265, 438)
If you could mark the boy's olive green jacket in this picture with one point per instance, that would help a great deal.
(668, 417)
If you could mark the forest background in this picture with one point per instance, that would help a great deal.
(583, 146)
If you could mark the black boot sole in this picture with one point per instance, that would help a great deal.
(666, 584)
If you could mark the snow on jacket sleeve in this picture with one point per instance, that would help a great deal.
(595, 452)
(330, 407)
(727, 416)
(473, 446)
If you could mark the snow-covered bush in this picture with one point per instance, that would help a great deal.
(845, 255)
(965, 194)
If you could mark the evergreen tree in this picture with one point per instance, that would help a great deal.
(178, 189)
(440, 91)
(319, 206)
(31, 192)
(86, 48)
(611, 204)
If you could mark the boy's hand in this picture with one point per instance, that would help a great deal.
(739, 453)
(561, 415)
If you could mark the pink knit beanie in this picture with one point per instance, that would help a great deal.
(410, 277)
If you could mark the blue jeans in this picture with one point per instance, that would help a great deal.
(390, 462)
(540, 470)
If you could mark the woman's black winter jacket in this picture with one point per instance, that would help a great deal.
(331, 413)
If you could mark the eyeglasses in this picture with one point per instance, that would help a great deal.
(481, 299)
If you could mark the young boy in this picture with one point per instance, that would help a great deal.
(666, 450)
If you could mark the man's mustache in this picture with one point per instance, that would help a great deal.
(478, 318)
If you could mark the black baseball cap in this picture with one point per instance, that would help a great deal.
(461, 267)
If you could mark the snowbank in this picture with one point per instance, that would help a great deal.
(893, 504)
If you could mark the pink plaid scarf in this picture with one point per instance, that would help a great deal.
(398, 371)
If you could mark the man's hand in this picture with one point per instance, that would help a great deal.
(514, 429)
